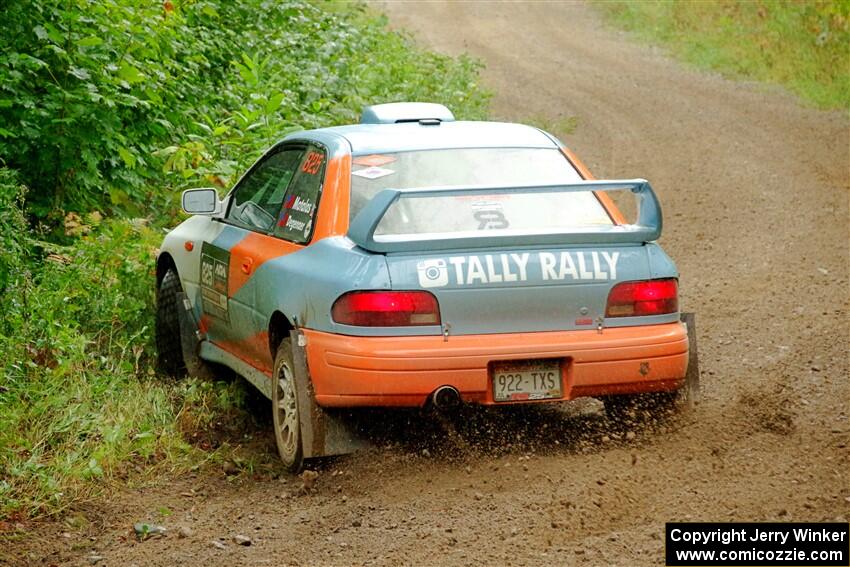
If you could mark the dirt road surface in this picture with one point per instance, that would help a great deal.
(755, 192)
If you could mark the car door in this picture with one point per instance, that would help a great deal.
(271, 214)
(292, 232)
(228, 261)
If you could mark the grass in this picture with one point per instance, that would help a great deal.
(560, 127)
(803, 45)
(80, 405)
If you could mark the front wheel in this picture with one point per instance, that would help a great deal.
(285, 410)
(169, 349)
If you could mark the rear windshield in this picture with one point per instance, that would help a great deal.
(490, 214)
(482, 167)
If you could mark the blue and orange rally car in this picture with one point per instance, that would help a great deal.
(414, 259)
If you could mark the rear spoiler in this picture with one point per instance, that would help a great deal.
(647, 228)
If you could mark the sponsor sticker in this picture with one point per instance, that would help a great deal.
(486, 206)
(373, 172)
(294, 224)
(517, 267)
(214, 273)
(299, 204)
(374, 160)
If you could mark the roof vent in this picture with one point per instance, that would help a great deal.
(395, 112)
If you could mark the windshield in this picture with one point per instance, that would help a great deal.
(482, 167)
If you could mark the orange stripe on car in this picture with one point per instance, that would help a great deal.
(603, 197)
(332, 219)
(252, 252)
(253, 350)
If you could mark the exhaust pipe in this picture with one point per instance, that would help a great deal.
(445, 397)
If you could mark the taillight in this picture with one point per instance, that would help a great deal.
(653, 297)
(386, 309)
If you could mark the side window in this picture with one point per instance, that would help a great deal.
(295, 222)
(258, 198)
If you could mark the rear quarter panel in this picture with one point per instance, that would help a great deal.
(304, 285)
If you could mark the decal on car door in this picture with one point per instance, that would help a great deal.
(215, 263)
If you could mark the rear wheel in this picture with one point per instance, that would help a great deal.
(285, 410)
(637, 408)
(168, 347)
(643, 408)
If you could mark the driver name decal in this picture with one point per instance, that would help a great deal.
(290, 223)
(297, 203)
(517, 267)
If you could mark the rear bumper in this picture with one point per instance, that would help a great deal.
(403, 371)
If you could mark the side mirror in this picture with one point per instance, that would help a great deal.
(201, 201)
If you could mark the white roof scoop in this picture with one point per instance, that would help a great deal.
(396, 112)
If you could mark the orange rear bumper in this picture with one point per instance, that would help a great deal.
(403, 371)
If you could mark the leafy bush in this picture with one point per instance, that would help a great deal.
(313, 76)
(107, 108)
(97, 95)
(14, 251)
(89, 87)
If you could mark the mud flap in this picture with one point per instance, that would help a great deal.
(323, 432)
(190, 338)
(691, 389)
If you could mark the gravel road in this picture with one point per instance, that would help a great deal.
(755, 192)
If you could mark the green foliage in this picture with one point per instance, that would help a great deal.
(88, 88)
(97, 96)
(14, 250)
(561, 126)
(315, 75)
(803, 45)
(107, 109)
(79, 400)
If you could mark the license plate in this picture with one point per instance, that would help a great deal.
(518, 380)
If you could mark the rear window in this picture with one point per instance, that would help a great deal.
(481, 167)
(494, 214)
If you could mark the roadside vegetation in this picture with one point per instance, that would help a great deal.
(804, 45)
(108, 109)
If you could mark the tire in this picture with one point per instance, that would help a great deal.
(285, 409)
(168, 346)
(628, 409)
(659, 406)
